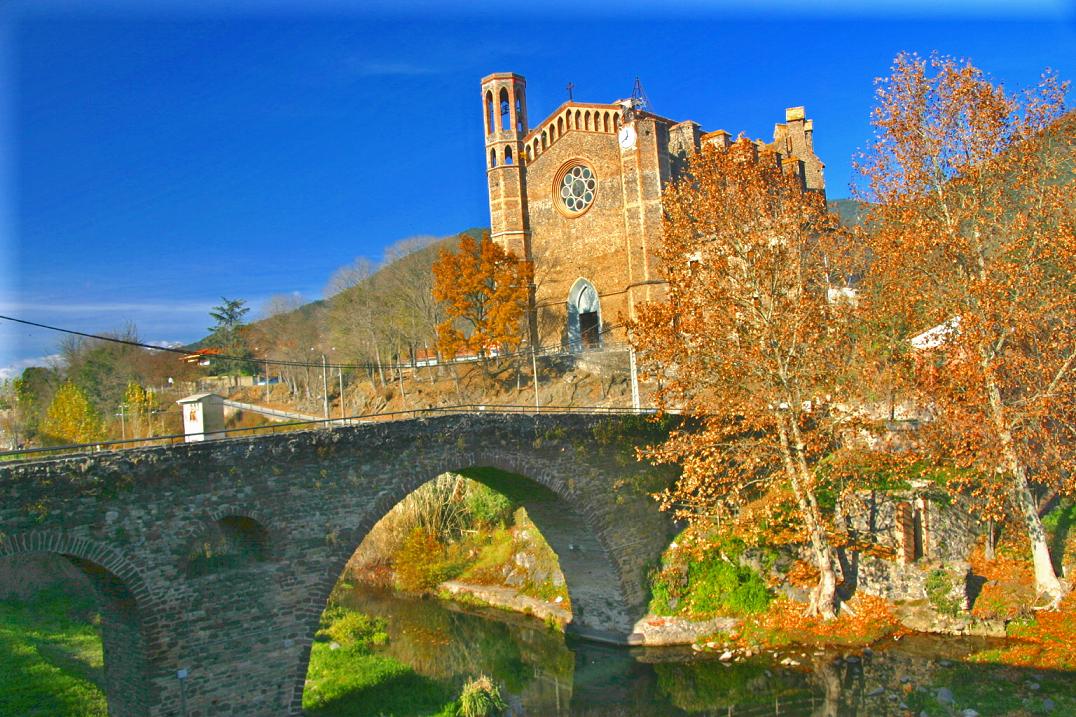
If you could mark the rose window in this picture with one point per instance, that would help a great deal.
(577, 188)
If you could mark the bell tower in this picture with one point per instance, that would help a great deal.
(504, 111)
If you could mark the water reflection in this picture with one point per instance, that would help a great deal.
(545, 674)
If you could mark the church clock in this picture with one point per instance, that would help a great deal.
(627, 137)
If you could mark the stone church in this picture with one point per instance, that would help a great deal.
(579, 195)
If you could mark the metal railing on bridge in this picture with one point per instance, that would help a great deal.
(323, 423)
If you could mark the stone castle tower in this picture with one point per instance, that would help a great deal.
(580, 197)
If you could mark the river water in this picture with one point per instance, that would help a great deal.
(542, 673)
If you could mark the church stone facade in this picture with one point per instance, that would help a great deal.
(579, 195)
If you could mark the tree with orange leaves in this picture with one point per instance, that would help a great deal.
(750, 344)
(972, 233)
(484, 291)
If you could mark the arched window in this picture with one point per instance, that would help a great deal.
(545, 140)
(489, 111)
(507, 155)
(535, 146)
(492, 158)
(530, 153)
(578, 119)
(586, 121)
(552, 133)
(605, 121)
(519, 112)
(616, 121)
(506, 109)
(560, 125)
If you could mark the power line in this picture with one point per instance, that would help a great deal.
(113, 339)
(284, 362)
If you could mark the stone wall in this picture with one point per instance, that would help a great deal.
(240, 632)
(912, 533)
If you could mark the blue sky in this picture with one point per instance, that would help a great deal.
(154, 161)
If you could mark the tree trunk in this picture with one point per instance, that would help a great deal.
(1046, 581)
(380, 370)
(429, 366)
(399, 378)
(456, 377)
(823, 597)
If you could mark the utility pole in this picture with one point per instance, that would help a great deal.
(267, 381)
(634, 378)
(340, 375)
(123, 422)
(325, 385)
(534, 369)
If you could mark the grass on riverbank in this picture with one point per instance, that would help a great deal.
(350, 682)
(51, 660)
(345, 679)
(51, 665)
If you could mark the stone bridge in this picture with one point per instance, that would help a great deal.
(195, 636)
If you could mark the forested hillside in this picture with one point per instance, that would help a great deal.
(372, 314)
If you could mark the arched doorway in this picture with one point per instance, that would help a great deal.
(584, 317)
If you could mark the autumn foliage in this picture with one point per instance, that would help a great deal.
(973, 237)
(749, 342)
(1045, 643)
(71, 417)
(869, 619)
(484, 291)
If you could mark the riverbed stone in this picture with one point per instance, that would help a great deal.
(658, 630)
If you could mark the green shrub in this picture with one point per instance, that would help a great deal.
(1063, 516)
(666, 591)
(481, 698)
(486, 507)
(350, 628)
(712, 585)
(716, 586)
(939, 587)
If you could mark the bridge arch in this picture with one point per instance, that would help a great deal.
(120, 592)
(241, 638)
(602, 607)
